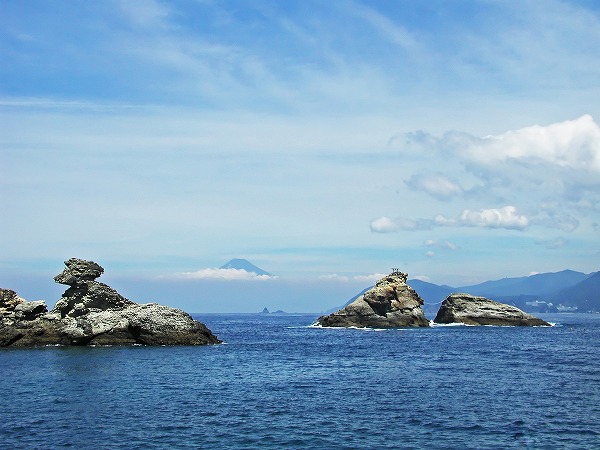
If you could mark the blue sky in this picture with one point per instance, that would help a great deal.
(326, 142)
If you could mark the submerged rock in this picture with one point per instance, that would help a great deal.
(92, 313)
(391, 303)
(472, 310)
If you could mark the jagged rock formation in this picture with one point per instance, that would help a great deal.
(92, 313)
(472, 310)
(86, 295)
(391, 303)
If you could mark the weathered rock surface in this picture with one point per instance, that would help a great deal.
(391, 303)
(472, 310)
(92, 313)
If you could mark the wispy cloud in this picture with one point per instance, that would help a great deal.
(394, 32)
(505, 217)
(145, 13)
(440, 244)
(437, 185)
(385, 224)
(553, 244)
(371, 278)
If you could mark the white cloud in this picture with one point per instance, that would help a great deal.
(384, 225)
(422, 278)
(436, 185)
(222, 274)
(558, 160)
(440, 244)
(572, 144)
(371, 278)
(506, 217)
(430, 254)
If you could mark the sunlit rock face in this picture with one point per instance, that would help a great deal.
(92, 313)
(391, 303)
(472, 310)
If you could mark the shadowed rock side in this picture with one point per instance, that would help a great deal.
(92, 313)
(472, 310)
(391, 303)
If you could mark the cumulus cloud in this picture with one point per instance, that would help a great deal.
(505, 217)
(573, 144)
(223, 275)
(384, 225)
(436, 185)
(559, 162)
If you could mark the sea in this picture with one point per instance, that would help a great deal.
(279, 383)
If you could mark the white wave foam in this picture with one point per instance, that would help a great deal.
(318, 325)
(455, 324)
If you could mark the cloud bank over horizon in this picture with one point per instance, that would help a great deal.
(221, 274)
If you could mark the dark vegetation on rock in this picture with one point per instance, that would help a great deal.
(92, 313)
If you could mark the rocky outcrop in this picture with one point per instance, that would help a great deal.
(86, 295)
(92, 313)
(472, 310)
(391, 303)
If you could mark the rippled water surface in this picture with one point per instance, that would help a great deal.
(277, 383)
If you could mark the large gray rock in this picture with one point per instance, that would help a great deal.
(85, 294)
(391, 303)
(92, 313)
(472, 310)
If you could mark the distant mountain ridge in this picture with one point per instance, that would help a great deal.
(584, 295)
(553, 291)
(543, 292)
(244, 264)
(542, 284)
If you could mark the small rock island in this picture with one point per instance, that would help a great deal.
(391, 303)
(92, 313)
(472, 310)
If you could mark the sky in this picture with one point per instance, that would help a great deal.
(325, 142)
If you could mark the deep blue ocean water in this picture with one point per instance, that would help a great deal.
(277, 383)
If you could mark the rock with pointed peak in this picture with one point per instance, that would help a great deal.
(391, 303)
